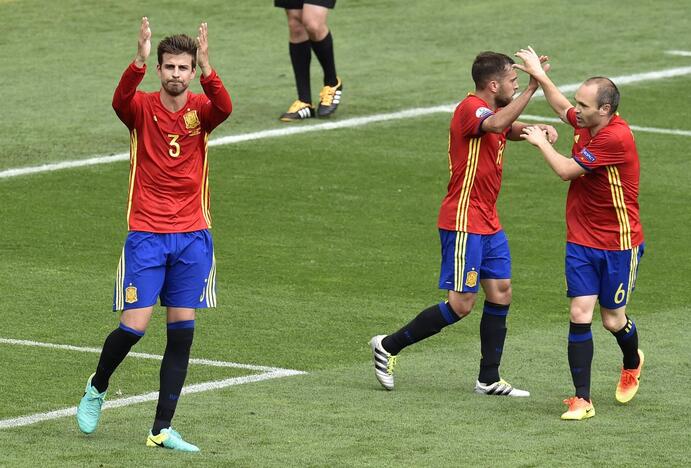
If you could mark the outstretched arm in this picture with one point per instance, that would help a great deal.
(531, 65)
(125, 97)
(203, 50)
(219, 106)
(143, 43)
(566, 168)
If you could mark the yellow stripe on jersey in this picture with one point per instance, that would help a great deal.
(468, 180)
(133, 171)
(633, 269)
(205, 182)
(459, 260)
(620, 207)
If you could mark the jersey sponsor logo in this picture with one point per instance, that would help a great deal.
(471, 279)
(483, 112)
(587, 155)
(192, 122)
(130, 294)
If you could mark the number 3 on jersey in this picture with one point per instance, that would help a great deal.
(174, 150)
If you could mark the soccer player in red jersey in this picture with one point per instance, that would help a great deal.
(168, 253)
(475, 250)
(604, 233)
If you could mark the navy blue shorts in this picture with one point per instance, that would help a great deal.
(609, 274)
(468, 258)
(179, 268)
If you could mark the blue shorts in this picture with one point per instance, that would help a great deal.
(468, 258)
(179, 268)
(609, 274)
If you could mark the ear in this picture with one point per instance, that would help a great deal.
(604, 109)
(493, 86)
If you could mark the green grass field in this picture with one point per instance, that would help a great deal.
(324, 239)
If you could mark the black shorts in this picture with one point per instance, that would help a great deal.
(297, 4)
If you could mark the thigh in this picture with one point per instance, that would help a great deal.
(191, 274)
(582, 270)
(141, 271)
(138, 319)
(461, 256)
(496, 257)
(618, 276)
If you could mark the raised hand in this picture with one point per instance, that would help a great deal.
(533, 64)
(203, 49)
(143, 43)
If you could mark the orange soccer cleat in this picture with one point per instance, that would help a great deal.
(578, 409)
(629, 381)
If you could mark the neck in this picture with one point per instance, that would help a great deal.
(487, 97)
(600, 126)
(173, 103)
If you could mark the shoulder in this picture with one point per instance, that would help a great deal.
(473, 106)
(616, 135)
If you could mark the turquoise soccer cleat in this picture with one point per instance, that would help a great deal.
(170, 439)
(89, 410)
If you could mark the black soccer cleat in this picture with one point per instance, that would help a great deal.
(298, 111)
(329, 99)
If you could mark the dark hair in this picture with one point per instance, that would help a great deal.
(607, 92)
(176, 45)
(489, 66)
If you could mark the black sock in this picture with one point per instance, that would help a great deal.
(580, 351)
(428, 322)
(627, 338)
(300, 57)
(115, 348)
(492, 336)
(324, 50)
(173, 372)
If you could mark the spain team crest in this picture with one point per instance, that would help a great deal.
(471, 279)
(130, 294)
(191, 119)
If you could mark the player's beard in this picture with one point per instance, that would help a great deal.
(503, 101)
(175, 87)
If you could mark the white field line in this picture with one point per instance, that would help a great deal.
(681, 53)
(346, 123)
(203, 362)
(268, 373)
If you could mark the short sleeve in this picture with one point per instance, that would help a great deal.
(471, 114)
(571, 117)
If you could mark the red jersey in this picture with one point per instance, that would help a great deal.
(169, 185)
(475, 167)
(602, 204)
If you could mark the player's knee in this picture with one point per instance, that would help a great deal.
(578, 315)
(504, 294)
(315, 27)
(461, 305)
(297, 30)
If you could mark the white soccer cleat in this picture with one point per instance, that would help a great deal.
(384, 362)
(502, 388)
